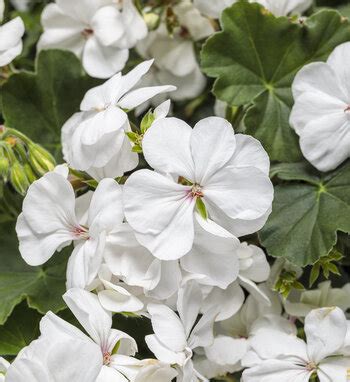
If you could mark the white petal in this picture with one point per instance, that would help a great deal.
(249, 153)
(334, 370)
(167, 327)
(326, 142)
(276, 371)
(227, 350)
(130, 79)
(36, 248)
(156, 373)
(336, 61)
(139, 96)
(160, 212)
(188, 304)
(108, 374)
(227, 302)
(119, 300)
(280, 344)
(213, 257)
(103, 61)
(202, 334)
(241, 193)
(259, 268)
(212, 145)
(84, 263)
(107, 25)
(11, 34)
(162, 352)
(89, 312)
(166, 146)
(318, 77)
(325, 331)
(106, 208)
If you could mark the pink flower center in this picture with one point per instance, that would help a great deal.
(311, 366)
(80, 232)
(347, 109)
(196, 191)
(107, 358)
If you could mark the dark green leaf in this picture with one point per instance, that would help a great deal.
(19, 331)
(306, 217)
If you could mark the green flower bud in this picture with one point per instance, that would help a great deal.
(4, 164)
(40, 159)
(152, 20)
(30, 173)
(18, 178)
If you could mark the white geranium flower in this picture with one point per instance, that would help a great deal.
(232, 339)
(288, 357)
(299, 304)
(175, 57)
(10, 39)
(226, 173)
(175, 337)
(42, 231)
(252, 268)
(321, 113)
(95, 137)
(64, 353)
(98, 31)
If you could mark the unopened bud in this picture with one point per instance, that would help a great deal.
(29, 173)
(4, 167)
(18, 178)
(152, 20)
(40, 159)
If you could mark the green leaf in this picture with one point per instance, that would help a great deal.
(19, 331)
(254, 60)
(305, 217)
(42, 287)
(38, 104)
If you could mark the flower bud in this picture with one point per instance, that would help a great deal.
(40, 159)
(152, 20)
(18, 178)
(30, 173)
(4, 166)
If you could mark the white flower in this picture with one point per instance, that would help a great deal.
(288, 357)
(64, 353)
(175, 337)
(101, 32)
(10, 40)
(321, 113)
(227, 173)
(95, 137)
(175, 57)
(299, 304)
(252, 268)
(42, 231)
(4, 365)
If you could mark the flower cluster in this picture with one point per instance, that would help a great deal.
(160, 218)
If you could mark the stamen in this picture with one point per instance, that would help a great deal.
(87, 32)
(347, 109)
(311, 366)
(80, 232)
(196, 191)
(106, 358)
